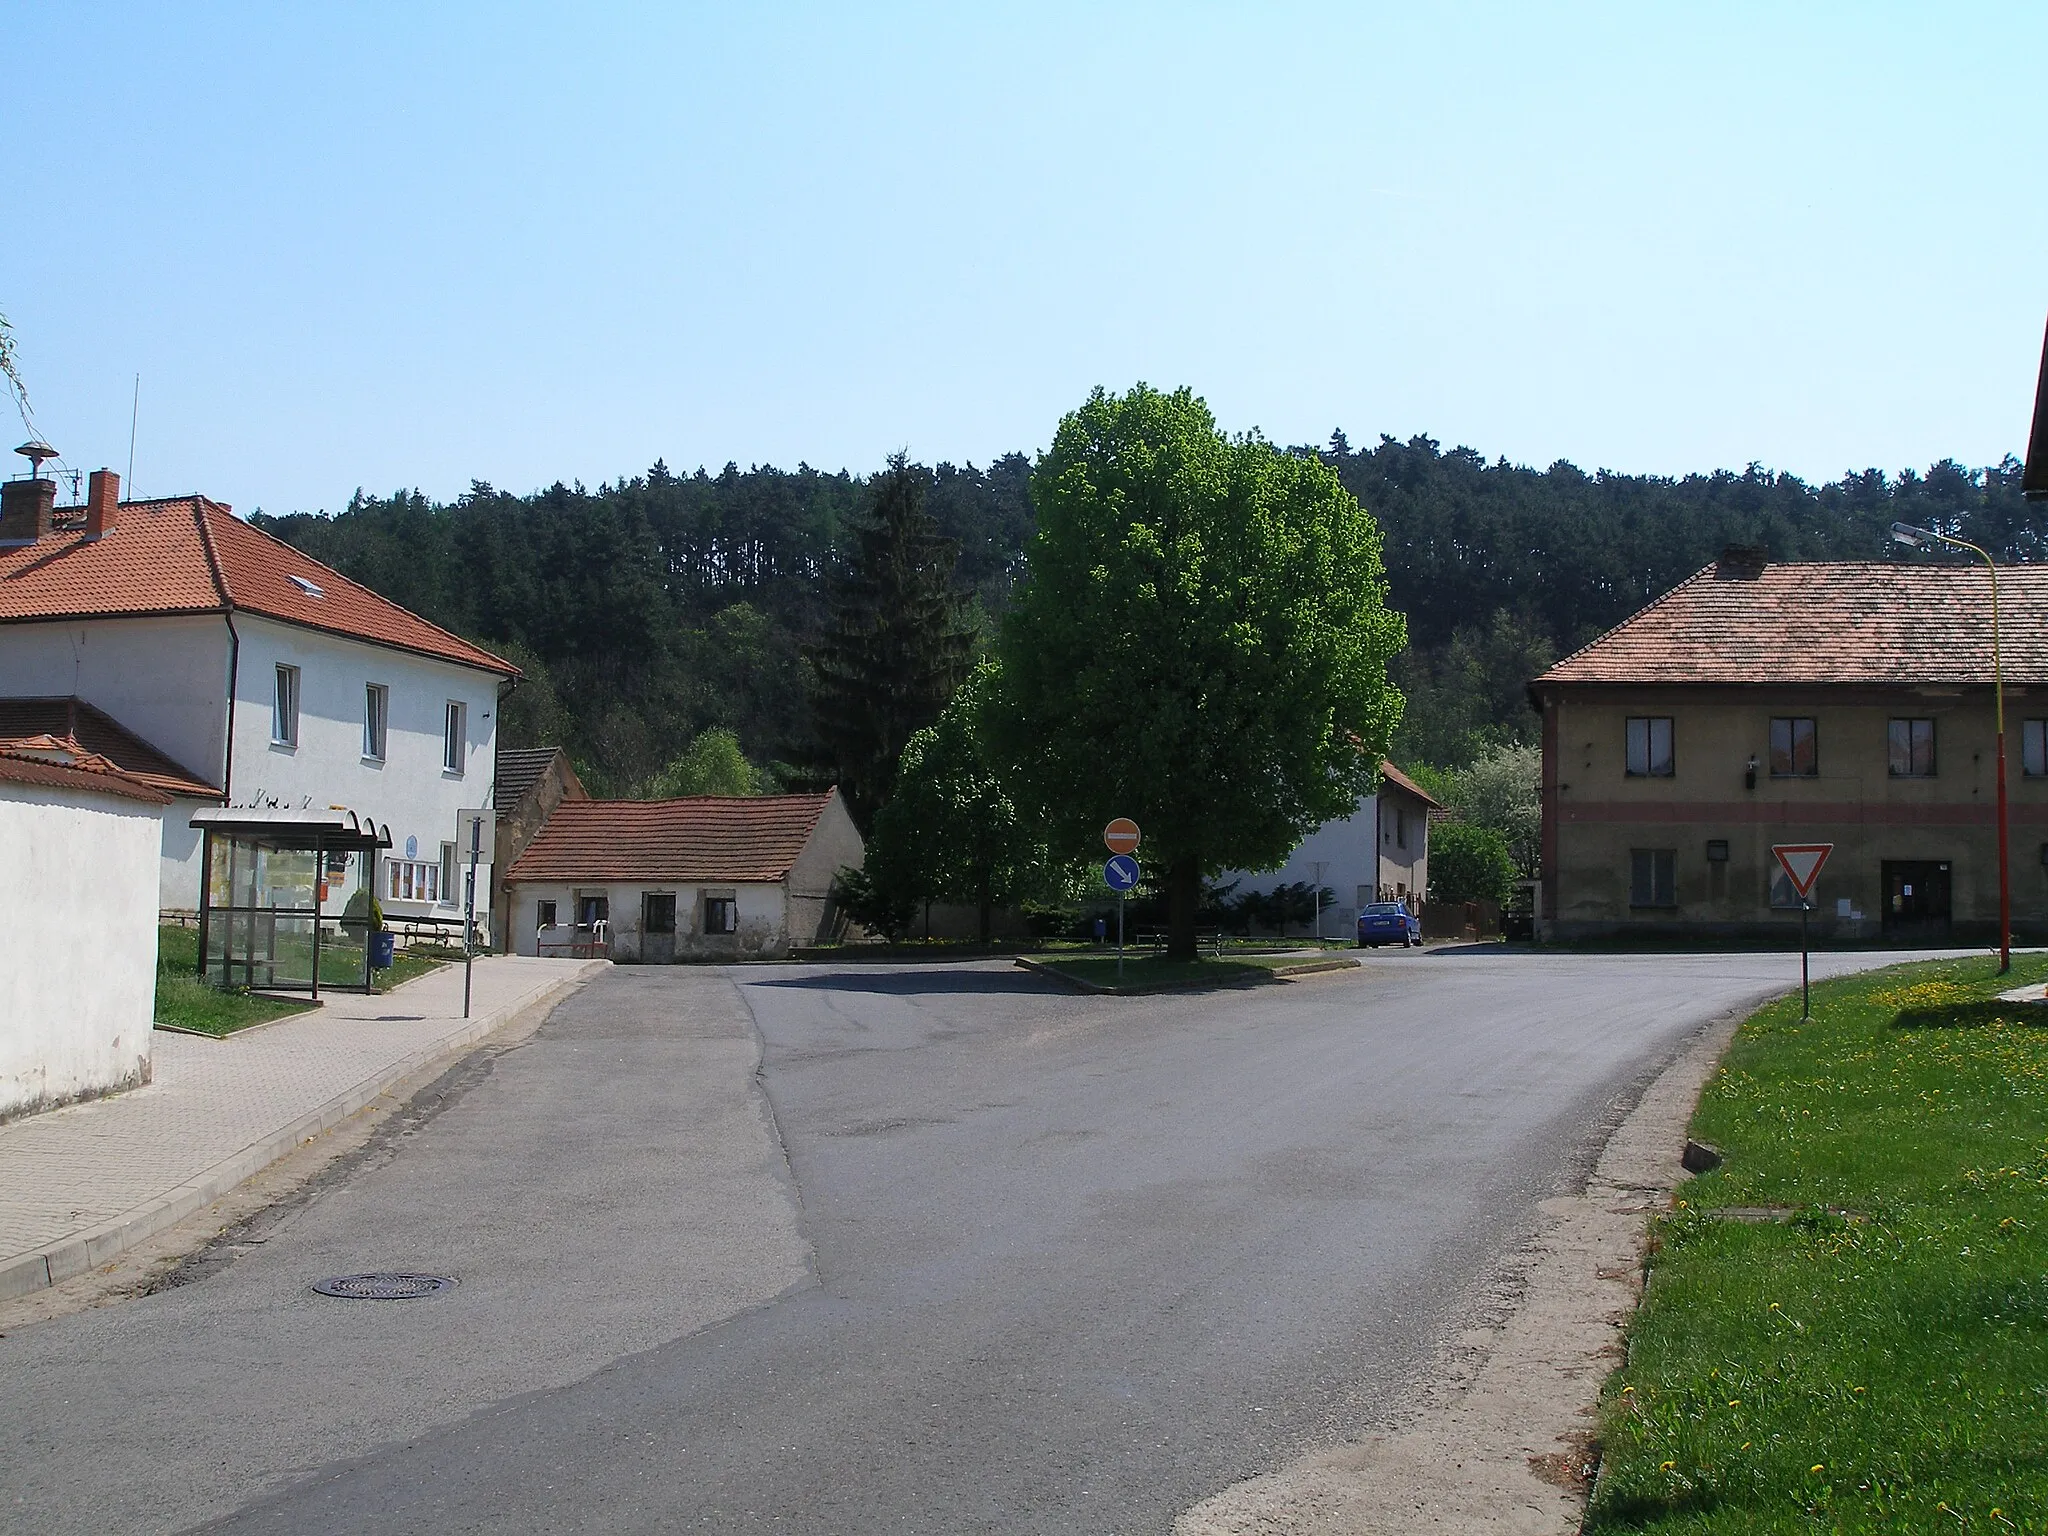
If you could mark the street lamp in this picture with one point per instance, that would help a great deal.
(1920, 538)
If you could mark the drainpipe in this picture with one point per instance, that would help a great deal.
(227, 772)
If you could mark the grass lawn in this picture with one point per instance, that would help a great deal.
(185, 1001)
(1879, 1362)
(1153, 970)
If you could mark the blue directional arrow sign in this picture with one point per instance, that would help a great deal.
(1121, 873)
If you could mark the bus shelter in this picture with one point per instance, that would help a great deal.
(265, 919)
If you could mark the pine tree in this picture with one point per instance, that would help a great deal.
(897, 644)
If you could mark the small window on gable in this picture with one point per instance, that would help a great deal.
(1649, 746)
(454, 738)
(376, 716)
(284, 708)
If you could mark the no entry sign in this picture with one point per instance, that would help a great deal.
(1801, 863)
(1121, 836)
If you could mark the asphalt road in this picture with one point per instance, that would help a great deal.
(1073, 1264)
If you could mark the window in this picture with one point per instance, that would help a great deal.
(544, 914)
(592, 910)
(1653, 877)
(2034, 748)
(1912, 749)
(284, 708)
(1717, 850)
(721, 914)
(447, 874)
(1649, 746)
(412, 880)
(1400, 826)
(658, 912)
(1793, 754)
(454, 739)
(376, 713)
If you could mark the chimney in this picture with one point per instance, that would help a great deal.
(27, 509)
(1742, 562)
(102, 503)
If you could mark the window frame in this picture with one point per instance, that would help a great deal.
(1649, 759)
(1662, 862)
(2034, 749)
(284, 707)
(544, 916)
(455, 738)
(1791, 724)
(731, 904)
(648, 901)
(376, 722)
(450, 875)
(1912, 748)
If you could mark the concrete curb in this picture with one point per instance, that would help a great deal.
(87, 1250)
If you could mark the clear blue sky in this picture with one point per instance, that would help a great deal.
(412, 245)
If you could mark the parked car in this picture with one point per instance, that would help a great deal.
(1388, 922)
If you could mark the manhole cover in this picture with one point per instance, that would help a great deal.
(383, 1287)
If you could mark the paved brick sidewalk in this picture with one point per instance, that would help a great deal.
(78, 1185)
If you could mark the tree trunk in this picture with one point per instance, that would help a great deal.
(1183, 897)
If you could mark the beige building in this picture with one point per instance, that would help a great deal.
(1761, 704)
(710, 877)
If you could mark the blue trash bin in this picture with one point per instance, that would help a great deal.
(381, 943)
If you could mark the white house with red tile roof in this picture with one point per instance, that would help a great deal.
(261, 674)
(711, 877)
(78, 855)
(1380, 852)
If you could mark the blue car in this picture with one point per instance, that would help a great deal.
(1388, 922)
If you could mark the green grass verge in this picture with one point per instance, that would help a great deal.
(1142, 973)
(186, 1002)
(1879, 1362)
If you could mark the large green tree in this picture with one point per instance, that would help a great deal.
(950, 831)
(1202, 644)
(897, 645)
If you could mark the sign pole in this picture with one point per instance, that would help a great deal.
(1805, 980)
(476, 838)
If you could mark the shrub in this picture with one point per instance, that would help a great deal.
(1468, 862)
(352, 922)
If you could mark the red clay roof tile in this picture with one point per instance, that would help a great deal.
(705, 837)
(1846, 622)
(186, 554)
(16, 769)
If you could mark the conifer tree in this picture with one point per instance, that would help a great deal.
(897, 644)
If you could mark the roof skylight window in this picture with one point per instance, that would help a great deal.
(307, 587)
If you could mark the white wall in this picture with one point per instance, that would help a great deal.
(1345, 847)
(763, 921)
(165, 679)
(409, 789)
(78, 903)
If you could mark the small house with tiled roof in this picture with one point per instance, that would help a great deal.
(1758, 704)
(1380, 852)
(709, 877)
(251, 671)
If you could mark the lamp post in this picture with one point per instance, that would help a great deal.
(1920, 538)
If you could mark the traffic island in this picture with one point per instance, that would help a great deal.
(1156, 973)
(1870, 1356)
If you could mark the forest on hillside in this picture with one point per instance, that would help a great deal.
(649, 611)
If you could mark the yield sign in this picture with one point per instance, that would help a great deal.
(1801, 863)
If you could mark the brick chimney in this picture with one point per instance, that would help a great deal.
(102, 503)
(27, 510)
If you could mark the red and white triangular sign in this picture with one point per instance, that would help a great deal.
(1802, 862)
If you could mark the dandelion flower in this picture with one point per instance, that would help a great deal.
(1818, 1466)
